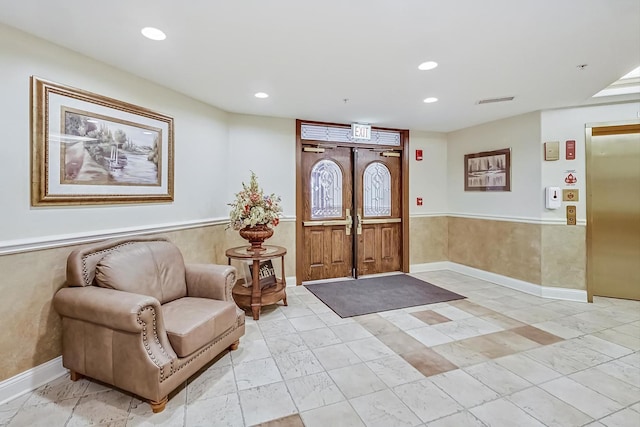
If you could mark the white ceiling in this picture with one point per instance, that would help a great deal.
(311, 55)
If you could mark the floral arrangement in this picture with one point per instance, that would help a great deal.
(252, 207)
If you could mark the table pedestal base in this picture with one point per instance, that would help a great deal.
(268, 296)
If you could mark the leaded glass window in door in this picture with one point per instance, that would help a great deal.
(377, 190)
(326, 190)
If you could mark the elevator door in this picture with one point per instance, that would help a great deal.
(613, 212)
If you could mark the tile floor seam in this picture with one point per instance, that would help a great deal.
(612, 413)
(72, 412)
(235, 381)
(546, 392)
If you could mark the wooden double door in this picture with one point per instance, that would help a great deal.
(352, 211)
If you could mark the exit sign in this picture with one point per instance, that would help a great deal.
(360, 131)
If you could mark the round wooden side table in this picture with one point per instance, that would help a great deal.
(253, 297)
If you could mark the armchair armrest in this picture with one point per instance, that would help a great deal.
(107, 307)
(211, 281)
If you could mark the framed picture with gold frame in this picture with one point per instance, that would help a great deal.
(488, 171)
(90, 149)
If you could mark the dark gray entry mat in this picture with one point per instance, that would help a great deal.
(375, 294)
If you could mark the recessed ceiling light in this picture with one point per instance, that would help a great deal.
(430, 100)
(153, 33)
(261, 95)
(429, 65)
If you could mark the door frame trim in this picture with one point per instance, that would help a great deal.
(404, 146)
(610, 129)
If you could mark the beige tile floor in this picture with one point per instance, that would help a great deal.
(498, 358)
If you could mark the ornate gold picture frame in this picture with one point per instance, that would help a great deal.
(91, 149)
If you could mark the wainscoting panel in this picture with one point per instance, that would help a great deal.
(510, 249)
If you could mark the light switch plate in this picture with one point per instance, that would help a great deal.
(552, 150)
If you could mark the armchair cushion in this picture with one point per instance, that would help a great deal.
(191, 323)
(154, 268)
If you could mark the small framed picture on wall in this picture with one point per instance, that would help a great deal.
(488, 171)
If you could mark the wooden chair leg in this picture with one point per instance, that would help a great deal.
(234, 346)
(160, 405)
(74, 376)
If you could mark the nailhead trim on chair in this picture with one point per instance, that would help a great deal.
(145, 341)
(231, 280)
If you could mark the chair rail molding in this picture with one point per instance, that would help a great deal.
(10, 247)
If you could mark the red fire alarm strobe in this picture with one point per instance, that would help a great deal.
(418, 155)
(419, 201)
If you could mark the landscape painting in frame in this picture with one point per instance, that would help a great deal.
(488, 171)
(101, 150)
(90, 149)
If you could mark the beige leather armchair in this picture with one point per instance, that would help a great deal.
(135, 316)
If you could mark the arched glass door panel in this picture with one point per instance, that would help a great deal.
(376, 190)
(326, 190)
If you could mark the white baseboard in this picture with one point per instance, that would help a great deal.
(291, 281)
(509, 282)
(564, 293)
(30, 380)
(430, 266)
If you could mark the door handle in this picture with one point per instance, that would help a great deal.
(381, 221)
(349, 224)
(359, 225)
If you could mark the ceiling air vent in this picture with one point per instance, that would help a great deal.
(492, 100)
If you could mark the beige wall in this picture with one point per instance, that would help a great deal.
(503, 247)
(428, 239)
(31, 329)
(564, 256)
(541, 254)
